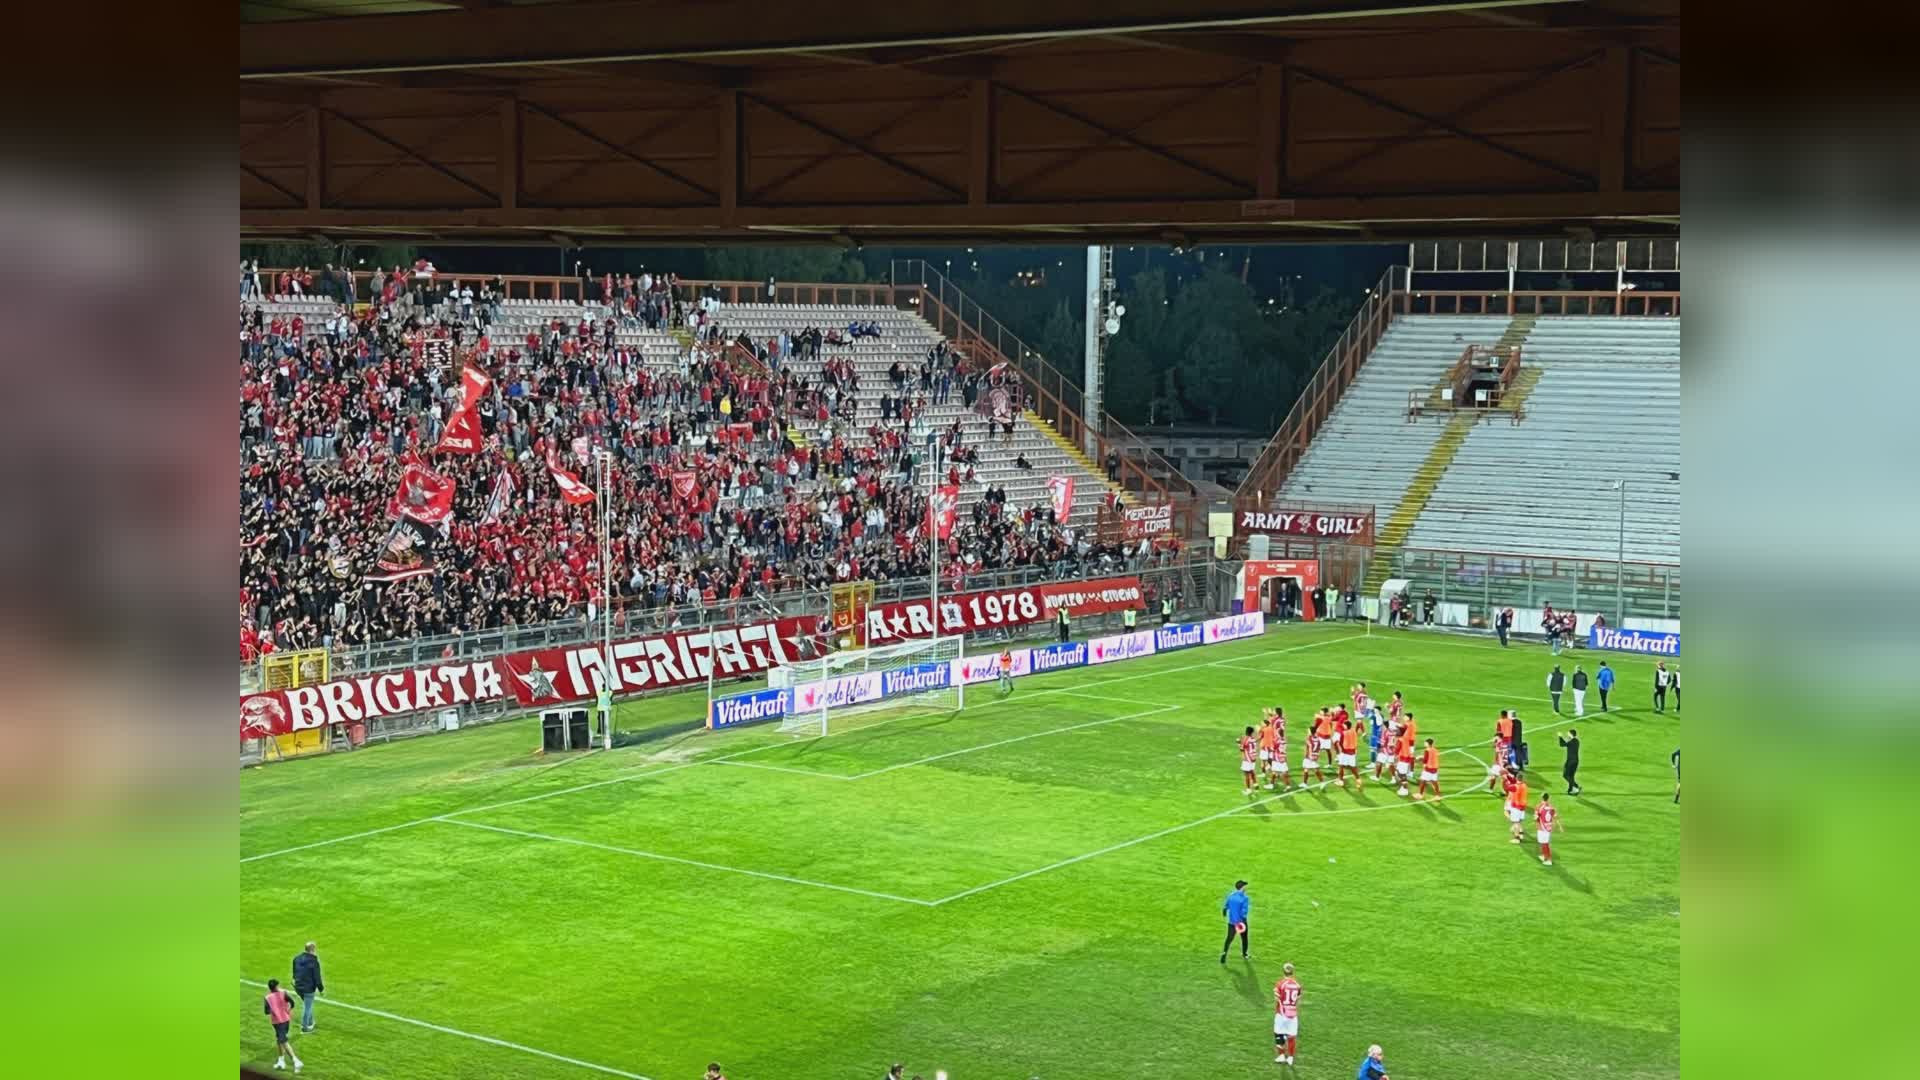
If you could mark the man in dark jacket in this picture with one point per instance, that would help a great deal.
(306, 983)
(1571, 740)
(1556, 683)
(1579, 691)
(1502, 623)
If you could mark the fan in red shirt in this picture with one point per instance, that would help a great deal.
(1249, 760)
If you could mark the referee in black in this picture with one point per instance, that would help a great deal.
(1571, 740)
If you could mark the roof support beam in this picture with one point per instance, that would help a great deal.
(1128, 138)
(617, 149)
(858, 145)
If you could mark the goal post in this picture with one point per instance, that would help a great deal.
(857, 688)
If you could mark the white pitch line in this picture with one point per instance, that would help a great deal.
(1015, 739)
(729, 757)
(336, 1003)
(637, 775)
(638, 854)
(784, 769)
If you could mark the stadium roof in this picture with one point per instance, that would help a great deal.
(1024, 120)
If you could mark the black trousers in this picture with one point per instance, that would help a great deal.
(1063, 635)
(1571, 768)
(1555, 694)
(1228, 944)
(1603, 700)
(1660, 699)
(1501, 629)
(1676, 699)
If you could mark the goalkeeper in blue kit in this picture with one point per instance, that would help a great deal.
(1006, 672)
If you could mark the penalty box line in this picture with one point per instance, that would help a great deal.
(954, 753)
(336, 1003)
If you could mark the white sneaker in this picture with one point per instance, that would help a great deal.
(1546, 862)
(1279, 1059)
(281, 1064)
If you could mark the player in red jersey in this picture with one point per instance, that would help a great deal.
(1497, 771)
(1358, 695)
(1396, 707)
(1389, 744)
(1348, 761)
(1249, 759)
(1341, 718)
(1429, 771)
(1286, 1017)
(1280, 752)
(1310, 761)
(1545, 820)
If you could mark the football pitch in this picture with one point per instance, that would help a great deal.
(1030, 887)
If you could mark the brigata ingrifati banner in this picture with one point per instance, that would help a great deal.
(538, 677)
(1649, 642)
(964, 613)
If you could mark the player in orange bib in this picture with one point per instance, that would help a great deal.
(1545, 820)
(1516, 806)
(1348, 761)
(1269, 738)
(1429, 771)
(1249, 759)
(1403, 756)
(1006, 672)
(1323, 734)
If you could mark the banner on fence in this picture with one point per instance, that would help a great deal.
(964, 613)
(1353, 528)
(1144, 522)
(1649, 642)
(752, 707)
(1105, 650)
(1056, 657)
(1178, 636)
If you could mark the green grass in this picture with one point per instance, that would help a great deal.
(1417, 926)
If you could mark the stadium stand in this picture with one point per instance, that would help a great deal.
(798, 479)
(1606, 407)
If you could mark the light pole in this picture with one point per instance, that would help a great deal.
(1620, 561)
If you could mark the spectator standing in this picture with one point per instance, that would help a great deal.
(1062, 623)
(307, 983)
(278, 1006)
(1556, 682)
(1604, 680)
(1571, 741)
(1502, 624)
(1662, 678)
(1113, 465)
(1428, 605)
(1579, 691)
(1353, 601)
(770, 293)
(1235, 907)
(1373, 1066)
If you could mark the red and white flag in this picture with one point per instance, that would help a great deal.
(942, 508)
(571, 489)
(500, 498)
(683, 483)
(1060, 489)
(462, 434)
(424, 496)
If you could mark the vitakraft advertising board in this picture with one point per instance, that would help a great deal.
(1105, 650)
(1178, 636)
(916, 677)
(752, 707)
(1645, 642)
(1056, 657)
(1234, 627)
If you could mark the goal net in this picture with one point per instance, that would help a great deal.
(863, 687)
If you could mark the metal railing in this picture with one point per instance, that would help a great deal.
(1489, 581)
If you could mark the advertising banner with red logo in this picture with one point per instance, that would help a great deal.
(538, 677)
(993, 609)
(1060, 490)
(1147, 522)
(1352, 527)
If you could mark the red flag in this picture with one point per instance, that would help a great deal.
(571, 489)
(424, 496)
(941, 509)
(683, 483)
(462, 435)
(1060, 488)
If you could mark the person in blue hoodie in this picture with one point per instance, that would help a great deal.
(1235, 909)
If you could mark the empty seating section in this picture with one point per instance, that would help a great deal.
(906, 337)
(1606, 407)
(1366, 452)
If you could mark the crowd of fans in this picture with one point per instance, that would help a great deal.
(785, 489)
